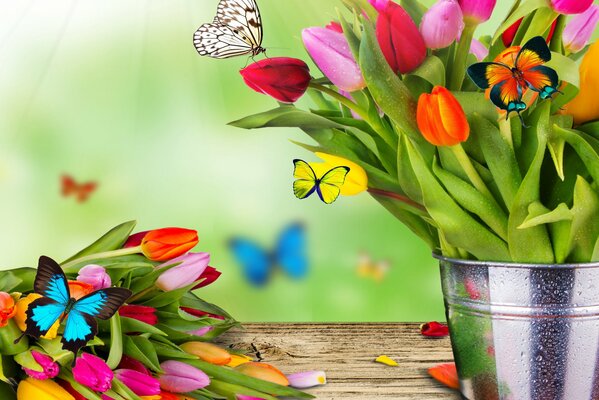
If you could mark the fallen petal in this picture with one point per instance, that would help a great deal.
(304, 380)
(387, 361)
(434, 329)
(447, 374)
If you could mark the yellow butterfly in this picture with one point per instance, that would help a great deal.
(328, 186)
(369, 269)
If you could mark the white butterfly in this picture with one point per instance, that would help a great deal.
(236, 30)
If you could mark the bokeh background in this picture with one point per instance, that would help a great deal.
(113, 91)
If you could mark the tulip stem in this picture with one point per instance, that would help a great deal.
(458, 69)
(396, 196)
(462, 157)
(105, 254)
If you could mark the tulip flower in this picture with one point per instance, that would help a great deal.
(209, 276)
(191, 266)
(479, 50)
(434, 329)
(95, 275)
(510, 33)
(131, 363)
(477, 11)
(208, 352)
(442, 24)
(139, 383)
(263, 371)
(585, 106)
(399, 39)
(441, 119)
(335, 26)
(7, 308)
(282, 78)
(579, 30)
(356, 181)
(167, 243)
(330, 51)
(135, 239)
(141, 313)
(21, 315)
(571, 6)
(91, 371)
(305, 380)
(379, 5)
(49, 369)
(237, 360)
(79, 289)
(34, 389)
(200, 313)
(69, 388)
(179, 377)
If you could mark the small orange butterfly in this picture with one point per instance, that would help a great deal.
(81, 191)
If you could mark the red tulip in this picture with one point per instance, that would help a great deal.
(208, 277)
(399, 38)
(200, 313)
(284, 79)
(133, 364)
(140, 313)
(335, 26)
(135, 239)
(434, 329)
(510, 33)
(167, 243)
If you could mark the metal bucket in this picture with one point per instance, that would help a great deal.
(523, 331)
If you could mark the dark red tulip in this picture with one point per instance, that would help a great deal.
(284, 79)
(434, 329)
(135, 239)
(200, 313)
(335, 26)
(510, 33)
(140, 313)
(131, 363)
(208, 277)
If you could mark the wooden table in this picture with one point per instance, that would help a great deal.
(346, 352)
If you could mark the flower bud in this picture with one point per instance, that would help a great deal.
(263, 371)
(585, 106)
(282, 78)
(95, 275)
(167, 243)
(141, 313)
(7, 308)
(477, 11)
(191, 266)
(34, 389)
(441, 119)
(179, 377)
(580, 29)
(49, 369)
(141, 384)
(91, 371)
(571, 6)
(442, 24)
(208, 352)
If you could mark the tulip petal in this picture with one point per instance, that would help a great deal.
(386, 360)
(434, 329)
(305, 380)
(446, 374)
(179, 377)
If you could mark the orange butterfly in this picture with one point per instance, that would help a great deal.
(81, 191)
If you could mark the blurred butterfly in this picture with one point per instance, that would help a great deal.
(58, 305)
(235, 31)
(81, 191)
(289, 254)
(368, 268)
(509, 81)
(328, 186)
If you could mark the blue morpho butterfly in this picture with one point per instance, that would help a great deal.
(289, 254)
(57, 304)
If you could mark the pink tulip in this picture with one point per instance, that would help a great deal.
(95, 275)
(571, 6)
(191, 266)
(442, 24)
(477, 11)
(179, 377)
(479, 50)
(379, 4)
(304, 380)
(92, 371)
(140, 383)
(244, 397)
(50, 369)
(579, 30)
(330, 51)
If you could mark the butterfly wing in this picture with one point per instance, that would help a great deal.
(534, 53)
(329, 186)
(291, 251)
(68, 185)
(41, 315)
(254, 261)
(529, 62)
(243, 17)
(219, 41)
(305, 183)
(508, 96)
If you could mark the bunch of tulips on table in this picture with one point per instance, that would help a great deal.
(158, 344)
(395, 104)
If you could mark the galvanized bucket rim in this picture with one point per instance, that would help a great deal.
(504, 264)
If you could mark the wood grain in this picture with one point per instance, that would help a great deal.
(346, 352)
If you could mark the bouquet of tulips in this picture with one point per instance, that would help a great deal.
(158, 344)
(395, 104)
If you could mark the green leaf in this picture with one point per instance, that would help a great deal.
(585, 229)
(432, 70)
(82, 390)
(526, 8)
(17, 280)
(538, 214)
(583, 148)
(406, 176)
(360, 6)
(130, 325)
(476, 103)
(140, 348)
(123, 390)
(415, 9)
(166, 298)
(556, 149)
(230, 390)
(6, 392)
(566, 68)
(285, 116)
(26, 360)
(540, 24)
(111, 240)
(116, 342)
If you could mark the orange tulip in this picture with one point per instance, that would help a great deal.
(441, 118)
(79, 289)
(167, 243)
(208, 352)
(7, 308)
(447, 374)
(263, 371)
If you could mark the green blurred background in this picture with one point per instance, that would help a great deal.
(113, 91)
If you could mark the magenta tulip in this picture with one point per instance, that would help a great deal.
(479, 50)
(399, 39)
(379, 4)
(179, 377)
(442, 24)
(282, 78)
(477, 11)
(92, 371)
(50, 369)
(191, 266)
(305, 380)
(330, 51)
(579, 30)
(244, 397)
(571, 6)
(141, 384)
(95, 275)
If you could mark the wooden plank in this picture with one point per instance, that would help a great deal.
(346, 352)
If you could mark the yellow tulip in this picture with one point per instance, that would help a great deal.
(30, 389)
(21, 316)
(237, 360)
(356, 180)
(585, 106)
(208, 352)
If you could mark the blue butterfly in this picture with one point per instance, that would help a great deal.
(289, 254)
(57, 304)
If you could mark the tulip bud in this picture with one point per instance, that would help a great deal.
(305, 380)
(571, 6)
(128, 362)
(237, 360)
(21, 315)
(585, 106)
(179, 377)
(580, 29)
(49, 369)
(167, 243)
(479, 50)
(477, 11)
(95, 275)
(356, 180)
(282, 78)
(208, 352)
(441, 119)
(34, 389)
(7, 308)
(380, 5)
(442, 24)
(510, 33)
(141, 384)
(191, 266)
(207, 277)
(331, 53)
(399, 39)
(335, 26)
(91, 371)
(263, 371)
(141, 313)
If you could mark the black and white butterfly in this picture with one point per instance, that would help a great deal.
(235, 31)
